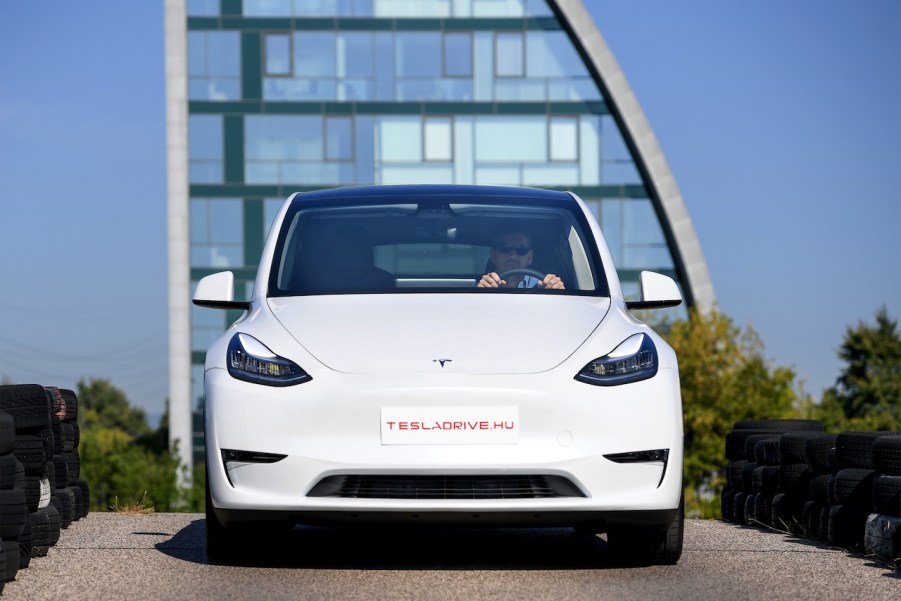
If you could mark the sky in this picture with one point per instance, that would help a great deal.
(781, 123)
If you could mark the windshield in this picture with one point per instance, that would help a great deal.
(434, 244)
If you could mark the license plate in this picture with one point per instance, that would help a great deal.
(450, 425)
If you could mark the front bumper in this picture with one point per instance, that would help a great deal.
(330, 427)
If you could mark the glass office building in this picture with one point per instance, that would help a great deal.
(269, 97)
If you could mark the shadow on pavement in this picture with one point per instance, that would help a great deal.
(407, 549)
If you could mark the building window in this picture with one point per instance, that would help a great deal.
(400, 139)
(508, 55)
(418, 54)
(458, 55)
(438, 139)
(214, 65)
(278, 55)
(203, 8)
(206, 327)
(564, 138)
(205, 149)
(551, 54)
(339, 138)
(217, 232)
(314, 54)
(511, 139)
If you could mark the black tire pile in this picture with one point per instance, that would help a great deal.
(40, 488)
(842, 489)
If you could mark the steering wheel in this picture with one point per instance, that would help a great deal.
(522, 271)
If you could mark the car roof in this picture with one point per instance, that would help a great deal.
(431, 190)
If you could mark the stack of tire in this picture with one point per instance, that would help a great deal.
(755, 469)
(843, 489)
(35, 428)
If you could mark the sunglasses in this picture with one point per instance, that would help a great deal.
(506, 249)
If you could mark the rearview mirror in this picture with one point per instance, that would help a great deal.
(216, 291)
(657, 291)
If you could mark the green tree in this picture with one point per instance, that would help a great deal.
(867, 394)
(123, 459)
(102, 404)
(724, 378)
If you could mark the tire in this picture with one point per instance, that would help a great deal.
(67, 434)
(735, 443)
(727, 505)
(854, 487)
(820, 452)
(73, 467)
(821, 487)
(85, 497)
(767, 452)
(734, 474)
(224, 545)
(847, 526)
(738, 507)
(794, 479)
(747, 476)
(855, 449)
(76, 502)
(882, 537)
(7, 432)
(33, 491)
(13, 513)
(25, 541)
(40, 531)
(60, 474)
(56, 524)
(28, 404)
(887, 455)
(9, 468)
(65, 507)
(57, 426)
(887, 495)
(752, 441)
(810, 519)
(750, 504)
(765, 479)
(12, 559)
(637, 546)
(783, 513)
(793, 446)
(71, 408)
(763, 509)
(29, 449)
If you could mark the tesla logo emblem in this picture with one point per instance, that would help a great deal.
(441, 361)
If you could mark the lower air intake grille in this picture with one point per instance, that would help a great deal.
(445, 487)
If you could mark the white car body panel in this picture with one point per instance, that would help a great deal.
(402, 334)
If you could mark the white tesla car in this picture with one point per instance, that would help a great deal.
(442, 354)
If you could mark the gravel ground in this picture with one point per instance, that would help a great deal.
(113, 556)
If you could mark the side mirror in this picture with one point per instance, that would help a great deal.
(216, 291)
(657, 292)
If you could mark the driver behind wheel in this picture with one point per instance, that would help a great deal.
(512, 250)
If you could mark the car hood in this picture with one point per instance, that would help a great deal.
(455, 333)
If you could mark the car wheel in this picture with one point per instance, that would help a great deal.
(639, 546)
(224, 544)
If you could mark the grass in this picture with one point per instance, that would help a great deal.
(139, 508)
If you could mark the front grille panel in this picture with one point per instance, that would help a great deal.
(444, 487)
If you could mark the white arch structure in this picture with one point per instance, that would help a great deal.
(624, 108)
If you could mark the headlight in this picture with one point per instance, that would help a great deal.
(634, 359)
(249, 360)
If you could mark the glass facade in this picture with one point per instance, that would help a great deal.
(293, 95)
